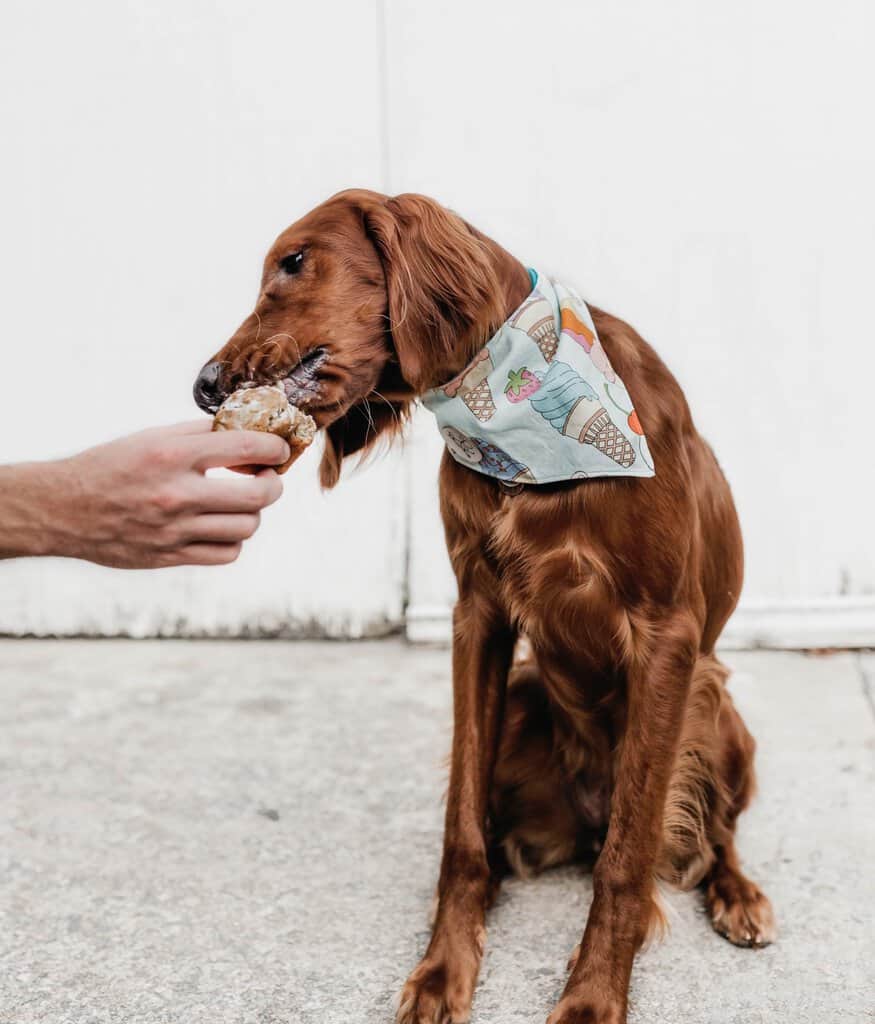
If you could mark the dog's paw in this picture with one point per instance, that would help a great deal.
(431, 997)
(740, 911)
(583, 1009)
(441, 989)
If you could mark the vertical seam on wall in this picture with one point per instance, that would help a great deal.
(383, 95)
(386, 186)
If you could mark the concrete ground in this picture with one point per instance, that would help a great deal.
(204, 832)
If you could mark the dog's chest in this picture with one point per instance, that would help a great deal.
(553, 576)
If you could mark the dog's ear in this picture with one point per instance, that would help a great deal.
(443, 289)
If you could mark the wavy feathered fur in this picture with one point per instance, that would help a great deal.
(615, 741)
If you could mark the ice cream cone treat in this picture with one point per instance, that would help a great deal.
(472, 386)
(575, 328)
(571, 406)
(535, 317)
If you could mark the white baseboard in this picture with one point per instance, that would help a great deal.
(429, 624)
(783, 625)
(795, 625)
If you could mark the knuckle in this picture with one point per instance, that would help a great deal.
(167, 502)
(170, 539)
(249, 445)
(163, 456)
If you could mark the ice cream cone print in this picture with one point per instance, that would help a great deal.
(543, 333)
(479, 400)
(496, 462)
(472, 386)
(602, 433)
(575, 328)
(573, 408)
(630, 414)
(485, 457)
(535, 317)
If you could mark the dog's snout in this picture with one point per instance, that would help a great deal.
(207, 390)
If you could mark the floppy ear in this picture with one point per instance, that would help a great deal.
(445, 298)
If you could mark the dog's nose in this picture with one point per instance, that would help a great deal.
(207, 388)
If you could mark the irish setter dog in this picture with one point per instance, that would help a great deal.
(615, 739)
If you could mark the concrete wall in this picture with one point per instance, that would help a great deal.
(702, 170)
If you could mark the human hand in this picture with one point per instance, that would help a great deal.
(145, 502)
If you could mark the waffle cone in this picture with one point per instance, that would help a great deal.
(479, 401)
(603, 434)
(545, 338)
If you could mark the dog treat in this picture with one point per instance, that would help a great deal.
(266, 408)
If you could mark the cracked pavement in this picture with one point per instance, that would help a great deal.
(249, 832)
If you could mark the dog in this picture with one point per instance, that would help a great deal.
(615, 740)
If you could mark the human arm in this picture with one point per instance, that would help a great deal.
(142, 501)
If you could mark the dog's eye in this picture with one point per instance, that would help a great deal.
(292, 263)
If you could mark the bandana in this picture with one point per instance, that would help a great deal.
(541, 402)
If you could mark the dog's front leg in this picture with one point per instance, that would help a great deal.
(623, 903)
(441, 988)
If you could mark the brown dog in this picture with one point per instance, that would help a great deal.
(618, 734)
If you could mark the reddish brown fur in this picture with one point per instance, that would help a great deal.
(617, 737)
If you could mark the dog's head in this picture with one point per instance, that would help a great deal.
(364, 304)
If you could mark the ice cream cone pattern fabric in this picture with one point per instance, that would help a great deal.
(541, 401)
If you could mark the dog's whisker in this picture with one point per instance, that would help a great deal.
(291, 337)
(371, 424)
(390, 404)
(272, 360)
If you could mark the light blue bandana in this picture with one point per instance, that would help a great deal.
(541, 402)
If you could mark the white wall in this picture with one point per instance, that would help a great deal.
(703, 170)
(151, 154)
